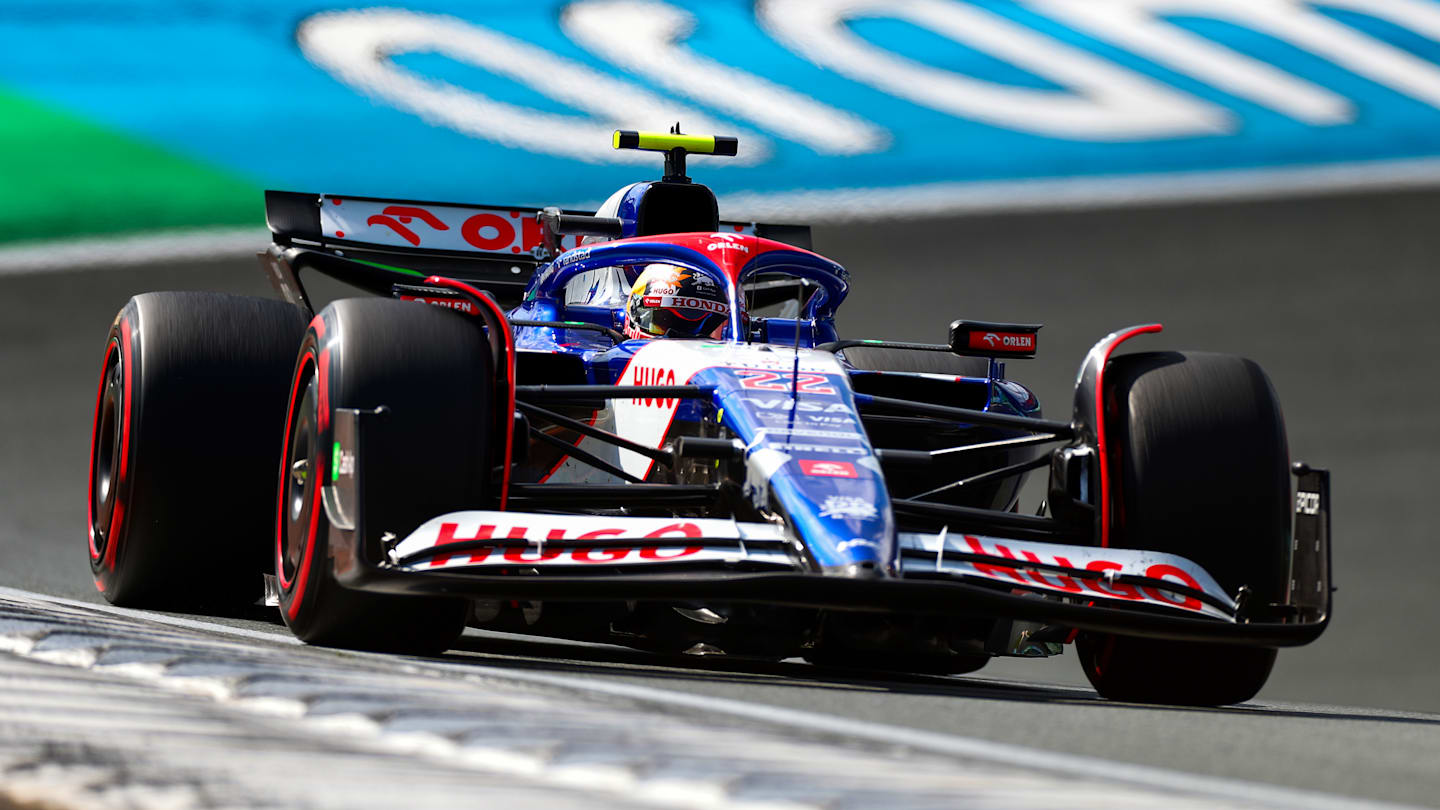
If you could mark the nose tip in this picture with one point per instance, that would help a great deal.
(860, 570)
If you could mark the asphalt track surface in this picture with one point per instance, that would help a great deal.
(1334, 296)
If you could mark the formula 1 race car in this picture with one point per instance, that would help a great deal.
(639, 426)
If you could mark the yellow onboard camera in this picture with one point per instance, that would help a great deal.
(675, 146)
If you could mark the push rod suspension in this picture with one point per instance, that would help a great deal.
(662, 456)
(1063, 430)
(560, 393)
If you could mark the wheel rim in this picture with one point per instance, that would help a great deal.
(298, 492)
(108, 436)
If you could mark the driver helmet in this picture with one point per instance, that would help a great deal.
(670, 301)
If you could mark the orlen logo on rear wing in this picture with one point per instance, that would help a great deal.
(499, 231)
(433, 227)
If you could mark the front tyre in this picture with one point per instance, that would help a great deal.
(431, 369)
(1148, 670)
(1200, 468)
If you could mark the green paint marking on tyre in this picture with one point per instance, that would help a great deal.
(335, 463)
(74, 178)
(407, 271)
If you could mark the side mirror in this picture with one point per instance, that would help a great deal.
(985, 339)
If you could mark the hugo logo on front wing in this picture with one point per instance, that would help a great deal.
(1031, 577)
(571, 552)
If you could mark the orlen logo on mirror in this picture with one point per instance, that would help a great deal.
(1014, 341)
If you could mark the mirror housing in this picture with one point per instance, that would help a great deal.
(999, 340)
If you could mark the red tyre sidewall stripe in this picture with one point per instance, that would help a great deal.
(302, 576)
(125, 357)
(114, 540)
(110, 349)
(306, 358)
(1101, 445)
(116, 520)
(317, 474)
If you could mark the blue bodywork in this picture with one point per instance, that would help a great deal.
(793, 406)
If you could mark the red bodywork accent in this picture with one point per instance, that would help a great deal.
(731, 252)
(1100, 445)
(737, 251)
(501, 325)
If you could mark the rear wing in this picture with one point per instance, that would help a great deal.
(374, 243)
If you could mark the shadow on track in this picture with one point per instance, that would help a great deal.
(544, 654)
(510, 651)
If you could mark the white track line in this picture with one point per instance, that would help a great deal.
(1078, 193)
(934, 742)
(829, 207)
(131, 250)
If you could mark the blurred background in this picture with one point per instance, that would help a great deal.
(1259, 175)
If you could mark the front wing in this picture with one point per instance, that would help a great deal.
(541, 556)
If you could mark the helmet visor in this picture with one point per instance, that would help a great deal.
(679, 316)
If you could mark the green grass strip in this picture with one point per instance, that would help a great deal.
(64, 177)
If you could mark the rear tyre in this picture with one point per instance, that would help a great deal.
(188, 414)
(431, 368)
(1199, 468)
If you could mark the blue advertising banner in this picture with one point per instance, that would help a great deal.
(844, 108)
